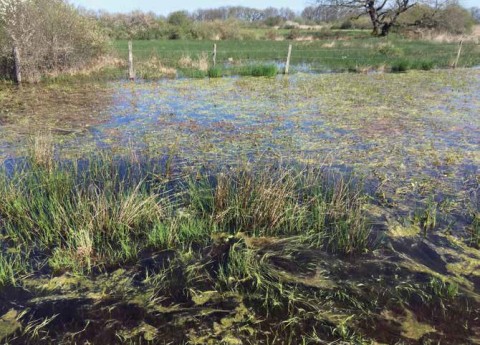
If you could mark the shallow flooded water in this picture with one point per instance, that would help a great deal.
(413, 138)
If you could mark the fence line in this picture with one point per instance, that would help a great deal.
(131, 72)
(289, 55)
(159, 49)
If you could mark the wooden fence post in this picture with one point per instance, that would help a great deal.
(131, 71)
(458, 54)
(287, 64)
(214, 54)
(18, 65)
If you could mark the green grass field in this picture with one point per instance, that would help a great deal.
(358, 54)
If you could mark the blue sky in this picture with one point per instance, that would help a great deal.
(165, 7)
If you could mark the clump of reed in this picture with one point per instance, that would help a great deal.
(324, 211)
(259, 70)
(476, 230)
(199, 63)
(215, 72)
(154, 68)
(100, 210)
(42, 150)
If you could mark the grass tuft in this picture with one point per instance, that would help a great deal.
(400, 66)
(101, 210)
(259, 70)
(215, 72)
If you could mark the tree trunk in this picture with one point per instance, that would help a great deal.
(386, 29)
(18, 65)
(372, 12)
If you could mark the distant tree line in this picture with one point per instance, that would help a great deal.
(38, 37)
(227, 22)
(199, 24)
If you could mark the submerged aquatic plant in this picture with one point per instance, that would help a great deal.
(443, 289)
(475, 229)
(426, 217)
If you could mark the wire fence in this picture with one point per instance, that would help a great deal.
(312, 57)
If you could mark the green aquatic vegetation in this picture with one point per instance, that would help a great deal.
(11, 266)
(392, 132)
(103, 210)
(193, 73)
(285, 203)
(475, 229)
(443, 289)
(9, 324)
(215, 72)
(426, 217)
(231, 208)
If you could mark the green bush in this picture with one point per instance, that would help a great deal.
(215, 30)
(346, 25)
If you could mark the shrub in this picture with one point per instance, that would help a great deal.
(216, 30)
(50, 36)
(294, 34)
(346, 25)
(271, 35)
(452, 18)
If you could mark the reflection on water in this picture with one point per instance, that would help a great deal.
(415, 134)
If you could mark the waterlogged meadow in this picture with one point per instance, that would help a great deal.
(298, 209)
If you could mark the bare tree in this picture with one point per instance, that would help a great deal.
(475, 11)
(383, 14)
(19, 26)
(46, 35)
(325, 13)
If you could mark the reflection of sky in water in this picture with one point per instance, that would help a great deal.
(402, 127)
